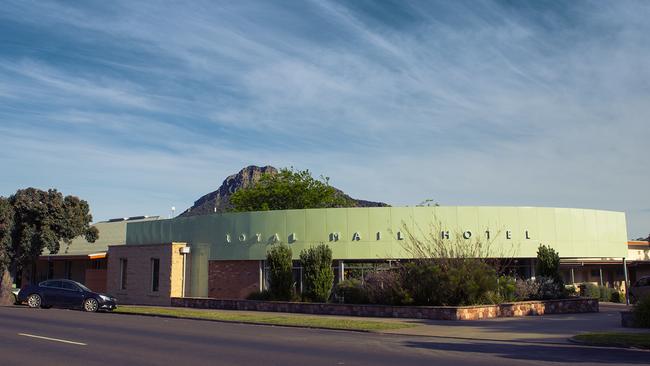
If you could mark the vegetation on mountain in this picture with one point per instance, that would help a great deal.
(219, 201)
(288, 189)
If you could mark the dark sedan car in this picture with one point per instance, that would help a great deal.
(65, 294)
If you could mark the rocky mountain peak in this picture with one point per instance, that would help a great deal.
(219, 200)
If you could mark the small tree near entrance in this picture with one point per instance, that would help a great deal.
(281, 286)
(318, 276)
(548, 264)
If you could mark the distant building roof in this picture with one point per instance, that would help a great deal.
(638, 243)
(111, 232)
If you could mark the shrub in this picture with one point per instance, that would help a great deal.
(507, 289)
(526, 289)
(351, 291)
(548, 263)
(549, 288)
(263, 295)
(615, 297)
(385, 287)
(591, 290)
(468, 281)
(318, 276)
(642, 312)
(424, 282)
(570, 290)
(454, 281)
(606, 293)
(281, 285)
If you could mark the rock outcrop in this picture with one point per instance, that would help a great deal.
(219, 200)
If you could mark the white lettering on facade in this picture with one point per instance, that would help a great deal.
(228, 240)
(356, 236)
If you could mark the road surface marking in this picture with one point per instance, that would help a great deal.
(52, 339)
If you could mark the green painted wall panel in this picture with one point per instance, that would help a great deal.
(573, 232)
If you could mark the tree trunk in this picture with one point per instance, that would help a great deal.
(6, 297)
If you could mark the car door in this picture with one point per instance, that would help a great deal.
(71, 295)
(51, 292)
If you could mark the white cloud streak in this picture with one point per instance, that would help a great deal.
(491, 105)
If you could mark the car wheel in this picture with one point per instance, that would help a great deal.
(34, 301)
(91, 305)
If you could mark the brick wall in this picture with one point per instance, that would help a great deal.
(233, 279)
(96, 279)
(517, 309)
(138, 285)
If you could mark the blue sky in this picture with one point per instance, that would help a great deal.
(137, 106)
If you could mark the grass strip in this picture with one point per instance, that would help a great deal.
(284, 320)
(636, 340)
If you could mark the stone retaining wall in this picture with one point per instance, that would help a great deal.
(516, 309)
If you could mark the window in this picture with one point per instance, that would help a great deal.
(69, 286)
(595, 273)
(155, 274)
(54, 284)
(123, 263)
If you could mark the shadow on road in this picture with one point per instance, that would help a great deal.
(541, 352)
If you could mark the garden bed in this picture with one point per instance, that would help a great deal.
(477, 312)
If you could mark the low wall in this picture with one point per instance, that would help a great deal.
(515, 309)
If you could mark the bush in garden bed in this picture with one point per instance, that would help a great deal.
(350, 291)
(642, 312)
(318, 276)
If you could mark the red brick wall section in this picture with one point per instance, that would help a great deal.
(96, 279)
(233, 279)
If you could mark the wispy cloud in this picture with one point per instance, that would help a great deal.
(464, 102)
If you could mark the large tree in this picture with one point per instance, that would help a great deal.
(32, 220)
(288, 189)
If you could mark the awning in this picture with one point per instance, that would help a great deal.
(101, 255)
(92, 256)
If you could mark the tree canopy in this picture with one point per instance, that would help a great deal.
(32, 220)
(288, 189)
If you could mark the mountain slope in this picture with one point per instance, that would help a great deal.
(219, 201)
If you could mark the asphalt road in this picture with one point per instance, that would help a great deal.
(114, 339)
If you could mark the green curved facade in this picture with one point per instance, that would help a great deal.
(381, 232)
